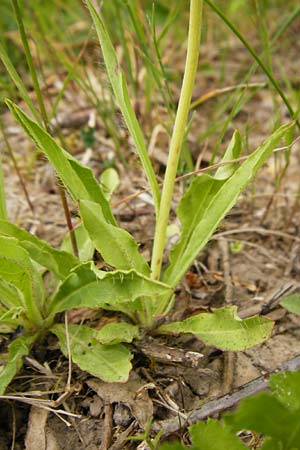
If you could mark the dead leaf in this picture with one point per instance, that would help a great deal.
(133, 394)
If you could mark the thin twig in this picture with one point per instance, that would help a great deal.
(199, 171)
(39, 403)
(258, 230)
(216, 92)
(223, 403)
(123, 437)
(108, 425)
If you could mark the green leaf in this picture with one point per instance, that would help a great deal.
(10, 296)
(214, 436)
(272, 444)
(10, 319)
(117, 247)
(3, 208)
(85, 246)
(191, 211)
(78, 179)
(19, 348)
(286, 388)
(57, 261)
(118, 83)
(83, 288)
(291, 303)
(110, 181)
(223, 329)
(207, 202)
(233, 151)
(111, 363)
(16, 268)
(116, 332)
(264, 414)
(17, 80)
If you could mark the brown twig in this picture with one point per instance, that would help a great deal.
(123, 437)
(170, 355)
(270, 301)
(67, 214)
(216, 92)
(199, 171)
(223, 403)
(258, 230)
(108, 424)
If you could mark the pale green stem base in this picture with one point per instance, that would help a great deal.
(178, 135)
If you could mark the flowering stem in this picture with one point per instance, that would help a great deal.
(178, 135)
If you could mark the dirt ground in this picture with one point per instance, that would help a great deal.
(252, 262)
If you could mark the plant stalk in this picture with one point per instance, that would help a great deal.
(191, 65)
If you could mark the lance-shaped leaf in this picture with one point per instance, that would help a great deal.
(84, 288)
(118, 83)
(117, 247)
(207, 202)
(232, 152)
(57, 261)
(111, 363)
(19, 348)
(17, 269)
(78, 179)
(116, 332)
(223, 329)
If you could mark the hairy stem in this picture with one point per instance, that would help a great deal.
(178, 135)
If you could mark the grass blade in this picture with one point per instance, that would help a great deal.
(251, 50)
(118, 83)
(17, 81)
(30, 63)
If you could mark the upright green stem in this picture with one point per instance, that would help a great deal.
(178, 135)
